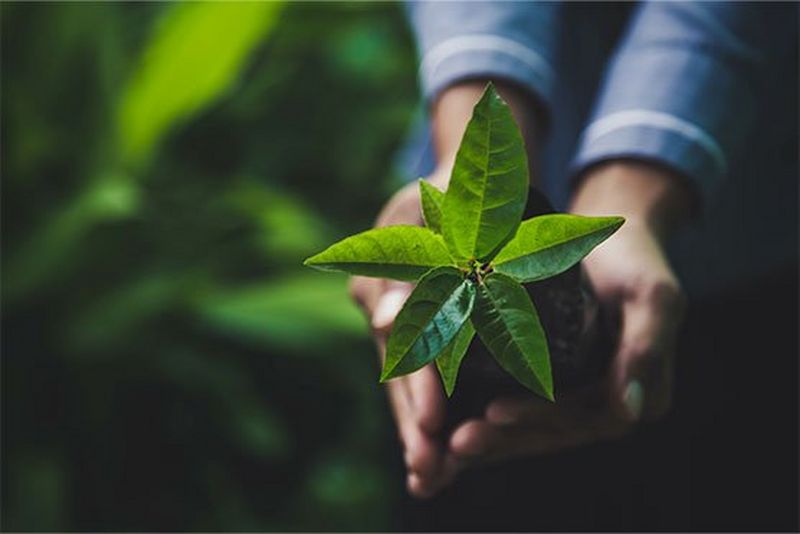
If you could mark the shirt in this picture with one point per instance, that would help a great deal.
(708, 89)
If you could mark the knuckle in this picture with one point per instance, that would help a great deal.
(355, 287)
(360, 290)
(639, 349)
(665, 293)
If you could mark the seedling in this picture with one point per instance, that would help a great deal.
(471, 259)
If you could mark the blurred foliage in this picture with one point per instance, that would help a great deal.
(167, 362)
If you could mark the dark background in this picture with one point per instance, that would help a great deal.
(167, 361)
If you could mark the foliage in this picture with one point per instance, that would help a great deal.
(487, 254)
(166, 364)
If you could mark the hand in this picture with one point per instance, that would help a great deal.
(633, 280)
(417, 400)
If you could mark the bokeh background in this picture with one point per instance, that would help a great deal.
(167, 364)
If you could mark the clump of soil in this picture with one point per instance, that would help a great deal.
(580, 347)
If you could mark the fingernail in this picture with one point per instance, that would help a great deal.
(388, 307)
(634, 398)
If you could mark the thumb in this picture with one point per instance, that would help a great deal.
(636, 355)
(389, 305)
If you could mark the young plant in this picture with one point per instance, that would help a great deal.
(471, 259)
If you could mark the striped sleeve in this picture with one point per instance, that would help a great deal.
(681, 89)
(513, 41)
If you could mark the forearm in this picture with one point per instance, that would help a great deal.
(680, 89)
(645, 194)
(452, 110)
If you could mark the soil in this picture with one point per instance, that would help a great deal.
(576, 330)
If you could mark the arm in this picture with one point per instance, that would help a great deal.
(675, 109)
(673, 115)
(680, 91)
(464, 44)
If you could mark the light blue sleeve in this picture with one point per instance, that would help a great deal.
(497, 40)
(682, 89)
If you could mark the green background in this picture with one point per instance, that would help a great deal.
(166, 361)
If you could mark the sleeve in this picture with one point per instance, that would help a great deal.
(681, 89)
(500, 40)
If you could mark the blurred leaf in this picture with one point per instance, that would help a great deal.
(107, 257)
(365, 53)
(51, 248)
(195, 55)
(38, 492)
(345, 481)
(118, 314)
(248, 419)
(303, 312)
(346, 492)
(289, 228)
(258, 430)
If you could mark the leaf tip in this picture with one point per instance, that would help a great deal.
(312, 261)
(386, 374)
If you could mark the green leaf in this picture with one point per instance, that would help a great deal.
(550, 244)
(449, 361)
(509, 326)
(488, 190)
(430, 319)
(397, 252)
(303, 312)
(432, 200)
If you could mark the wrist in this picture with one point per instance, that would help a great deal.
(452, 111)
(646, 194)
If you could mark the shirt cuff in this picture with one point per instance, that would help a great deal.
(485, 56)
(658, 137)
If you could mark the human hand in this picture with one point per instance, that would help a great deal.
(633, 281)
(417, 400)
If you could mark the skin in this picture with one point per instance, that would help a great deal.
(629, 273)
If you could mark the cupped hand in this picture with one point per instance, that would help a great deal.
(417, 400)
(633, 280)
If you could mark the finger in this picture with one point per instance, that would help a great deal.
(578, 405)
(422, 450)
(389, 305)
(428, 399)
(422, 453)
(640, 371)
(509, 411)
(474, 439)
(366, 292)
(422, 487)
(478, 441)
(419, 487)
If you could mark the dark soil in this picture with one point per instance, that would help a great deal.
(576, 332)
